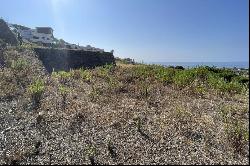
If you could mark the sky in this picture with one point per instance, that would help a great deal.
(144, 30)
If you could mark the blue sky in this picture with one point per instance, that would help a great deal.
(146, 30)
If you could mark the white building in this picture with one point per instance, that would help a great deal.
(38, 35)
(90, 48)
(45, 35)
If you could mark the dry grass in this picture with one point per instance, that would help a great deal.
(113, 115)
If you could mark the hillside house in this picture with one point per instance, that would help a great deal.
(39, 35)
(44, 35)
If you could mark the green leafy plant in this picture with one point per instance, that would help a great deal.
(218, 83)
(19, 64)
(63, 76)
(184, 78)
(165, 75)
(36, 90)
(27, 46)
(113, 83)
(105, 70)
(85, 74)
(95, 92)
(143, 71)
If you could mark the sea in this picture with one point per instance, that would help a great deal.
(238, 65)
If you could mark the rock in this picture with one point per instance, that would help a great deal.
(6, 34)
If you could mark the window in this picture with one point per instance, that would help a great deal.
(35, 37)
(43, 37)
(47, 38)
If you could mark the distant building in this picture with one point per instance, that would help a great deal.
(45, 36)
(90, 48)
(38, 35)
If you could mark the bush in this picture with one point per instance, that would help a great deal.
(143, 71)
(241, 80)
(213, 69)
(105, 70)
(19, 64)
(226, 74)
(184, 78)
(26, 46)
(179, 67)
(201, 73)
(165, 75)
(82, 74)
(218, 83)
(85, 74)
(36, 90)
(63, 76)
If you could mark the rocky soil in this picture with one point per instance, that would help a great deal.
(109, 122)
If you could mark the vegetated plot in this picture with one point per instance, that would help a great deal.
(132, 115)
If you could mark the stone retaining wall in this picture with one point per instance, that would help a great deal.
(66, 59)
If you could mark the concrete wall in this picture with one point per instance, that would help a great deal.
(66, 59)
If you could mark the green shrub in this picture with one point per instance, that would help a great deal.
(218, 83)
(164, 74)
(142, 71)
(85, 74)
(234, 86)
(63, 76)
(200, 89)
(27, 46)
(36, 90)
(113, 82)
(179, 67)
(105, 70)
(184, 78)
(212, 69)
(108, 67)
(19, 64)
(241, 80)
(63, 90)
(227, 74)
(201, 73)
(95, 93)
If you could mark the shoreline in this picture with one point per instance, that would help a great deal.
(219, 65)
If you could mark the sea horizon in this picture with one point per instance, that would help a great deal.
(239, 64)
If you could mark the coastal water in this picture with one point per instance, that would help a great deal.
(238, 65)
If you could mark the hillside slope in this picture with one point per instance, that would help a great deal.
(136, 114)
(6, 35)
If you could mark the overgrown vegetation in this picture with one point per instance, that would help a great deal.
(36, 90)
(151, 114)
(222, 80)
(237, 132)
(63, 76)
